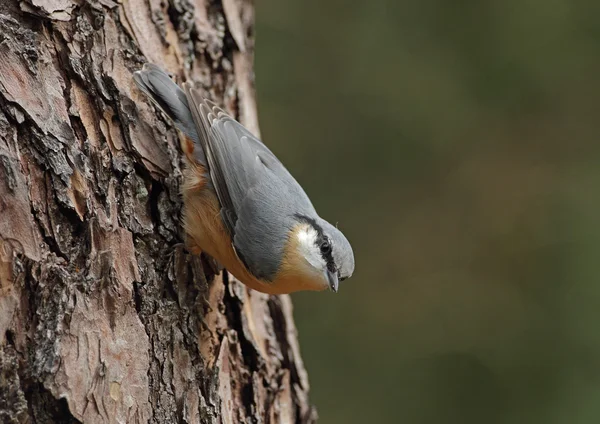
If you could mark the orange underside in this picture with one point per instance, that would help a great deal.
(206, 233)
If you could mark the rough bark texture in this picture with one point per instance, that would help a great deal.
(103, 317)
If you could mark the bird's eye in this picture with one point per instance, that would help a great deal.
(326, 247)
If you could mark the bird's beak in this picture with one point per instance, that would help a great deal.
(334, 282)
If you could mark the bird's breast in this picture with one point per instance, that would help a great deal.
(204, 227)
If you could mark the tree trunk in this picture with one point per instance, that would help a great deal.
(103, 316)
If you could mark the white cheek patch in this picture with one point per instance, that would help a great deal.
(307, 238)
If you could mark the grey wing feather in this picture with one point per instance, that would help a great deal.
(266, 217)
(258, 196)
(205, 116)
(170, 99)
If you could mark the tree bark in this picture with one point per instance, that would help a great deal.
(103, 316)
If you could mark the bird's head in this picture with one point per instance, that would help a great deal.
(325, 252)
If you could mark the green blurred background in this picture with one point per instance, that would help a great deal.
(456, 143)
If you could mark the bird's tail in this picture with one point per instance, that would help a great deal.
(170, 99)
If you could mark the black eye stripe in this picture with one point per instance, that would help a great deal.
(327, 254)
(325, 247)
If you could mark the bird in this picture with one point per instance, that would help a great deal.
(241, 206)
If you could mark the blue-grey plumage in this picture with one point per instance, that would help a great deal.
(170, 99)
(276, 242)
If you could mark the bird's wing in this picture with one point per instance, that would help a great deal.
(258, 196)
(171, 100)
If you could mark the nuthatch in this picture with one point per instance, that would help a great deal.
(241, 205)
